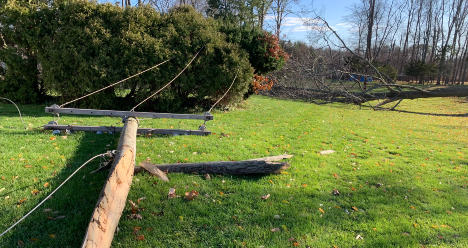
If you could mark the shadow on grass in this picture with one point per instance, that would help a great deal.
(433, 114)
(75, 200)
(9, 110)
(239, 215)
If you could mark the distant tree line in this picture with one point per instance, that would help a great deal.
(426, 39)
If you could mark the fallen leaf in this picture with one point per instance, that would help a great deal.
(171, 193)
(189, 196)
(285, 201)
(136, 229)
(140, 237)
(47, 210)
(207, 176)
(52, 138)
(355, 209)
(336, 192)
(275, 229)
(325, 152)
(321, 210)
(35, 192)
(291, 239)
(46, 184)
(265, 197)
(141, 199)
(412, 207)
(353, 189)
(335, 175)
(21, 201)
(284, 228)
(20, 243)
(50, 218)
(440, 237)
(28, 166)
(53, 236)
(2, 189)
(221, 193)
(35, 240)
(295, 244)
(434, 226)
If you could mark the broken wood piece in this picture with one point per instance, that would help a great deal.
(325, 152)
(272, 158)
(151, 168)
(113, 195)
(225, 167)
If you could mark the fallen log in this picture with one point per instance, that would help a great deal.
(113, 195)
(251, 166)
(272, 158)
(224, 167)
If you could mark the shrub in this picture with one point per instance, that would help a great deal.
(20, 78)
(90, 45)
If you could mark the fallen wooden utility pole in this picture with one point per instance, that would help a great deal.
(113, 195)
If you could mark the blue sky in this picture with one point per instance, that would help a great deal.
(332, 10)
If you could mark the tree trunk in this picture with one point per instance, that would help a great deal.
(113, 195)
(370, 26)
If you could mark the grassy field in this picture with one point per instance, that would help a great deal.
(401, 177)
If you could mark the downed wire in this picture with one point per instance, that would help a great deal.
(121, 81)
(225, 93)
(38, 205)
(133, 109)
(25, 127)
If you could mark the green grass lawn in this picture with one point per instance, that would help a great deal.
(401, 177)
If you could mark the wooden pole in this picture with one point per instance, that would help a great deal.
(113, 195)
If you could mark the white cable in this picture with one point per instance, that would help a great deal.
(25, 127)
(38, 205)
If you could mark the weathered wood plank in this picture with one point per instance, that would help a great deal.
(151, 168)
(113, 195)
(224, 167)
(272, 158)
(119, 129)
(76, 111)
